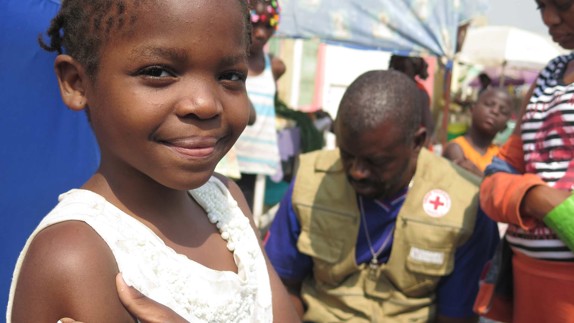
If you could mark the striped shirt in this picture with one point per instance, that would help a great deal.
(257, 148)
(548, 143)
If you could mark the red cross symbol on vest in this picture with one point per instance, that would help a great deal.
(436, 203)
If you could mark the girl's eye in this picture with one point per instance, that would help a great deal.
(155, 72)
(234, 76)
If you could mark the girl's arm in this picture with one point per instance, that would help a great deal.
(277, 66)
(68, 271)
(454, 153)
(283, 309)
(520, 199)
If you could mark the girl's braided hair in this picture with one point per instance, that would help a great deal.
(81, 27)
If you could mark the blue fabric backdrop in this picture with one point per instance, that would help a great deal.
(46, 149)
(400, 26)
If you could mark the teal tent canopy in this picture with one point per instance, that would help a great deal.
(400, 26)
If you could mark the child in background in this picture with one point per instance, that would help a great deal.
(163, 84)
(489, 115)
(257, 148)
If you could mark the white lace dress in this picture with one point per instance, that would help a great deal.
(197, 293)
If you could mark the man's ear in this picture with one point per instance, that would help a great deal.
(420, 138)
(72, 80)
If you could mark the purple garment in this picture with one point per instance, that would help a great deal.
(289, 142)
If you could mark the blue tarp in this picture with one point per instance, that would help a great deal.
(46, 149)
(401, 26)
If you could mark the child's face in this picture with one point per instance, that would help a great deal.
(262, 28)
(169, 98)
(492, 111)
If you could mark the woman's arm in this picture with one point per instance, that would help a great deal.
(501, 193)
(521, 199)
(68, 271)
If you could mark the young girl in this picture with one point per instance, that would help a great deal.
(257, 149)
(489, 115)
(163, 84)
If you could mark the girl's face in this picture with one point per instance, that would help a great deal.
(169, 97)
(558, 16)
(492, 111)
(264, 22)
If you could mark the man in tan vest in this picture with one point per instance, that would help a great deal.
(380, 229)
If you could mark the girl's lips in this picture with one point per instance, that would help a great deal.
(195, 147)
(198, 152)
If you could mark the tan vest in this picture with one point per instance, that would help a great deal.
(403, 289)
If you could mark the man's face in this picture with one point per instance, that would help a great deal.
(378, 163)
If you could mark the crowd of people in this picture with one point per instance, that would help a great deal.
(379, 229)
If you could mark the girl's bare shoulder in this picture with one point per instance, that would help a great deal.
(68, 270)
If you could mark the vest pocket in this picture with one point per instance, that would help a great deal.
(324, 232)
(320, 248)
(325, 253)
(325, 239)
(400, 309)
(429, 248)
(422, 253)
(430, 261)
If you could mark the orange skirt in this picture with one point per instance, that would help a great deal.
(543, 290)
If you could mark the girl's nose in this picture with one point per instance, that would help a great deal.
(259, 31)
(199, 101)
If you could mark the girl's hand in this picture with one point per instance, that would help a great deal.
(141, 307)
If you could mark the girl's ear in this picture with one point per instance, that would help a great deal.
(72, 80)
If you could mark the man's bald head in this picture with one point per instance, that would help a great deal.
(379, 96)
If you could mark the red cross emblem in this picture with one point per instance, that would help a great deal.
(436, 203)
